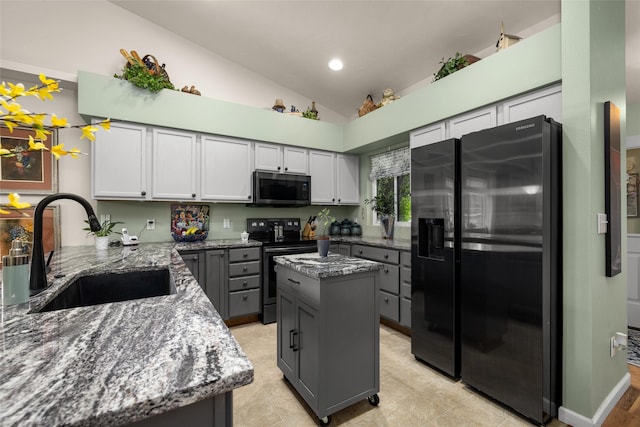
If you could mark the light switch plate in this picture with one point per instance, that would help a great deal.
(602, 223)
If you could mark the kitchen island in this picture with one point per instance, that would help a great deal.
(138, 361)
(328, 329)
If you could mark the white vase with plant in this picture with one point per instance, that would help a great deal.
(323, 220)
(102, 235)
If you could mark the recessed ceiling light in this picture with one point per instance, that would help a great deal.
(335, 64)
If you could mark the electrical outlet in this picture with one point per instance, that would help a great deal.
(151, 224)
(226, 223)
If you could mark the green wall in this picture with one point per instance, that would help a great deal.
(633, 119)
(594, 305)
(135, 214)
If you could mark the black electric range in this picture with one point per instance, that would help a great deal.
(279, 236)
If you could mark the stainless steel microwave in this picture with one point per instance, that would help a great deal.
(280, 189)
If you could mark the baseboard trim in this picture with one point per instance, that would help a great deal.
(574, 419)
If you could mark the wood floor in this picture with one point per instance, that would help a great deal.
(627, 411)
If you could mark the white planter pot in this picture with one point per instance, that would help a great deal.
(102, 242)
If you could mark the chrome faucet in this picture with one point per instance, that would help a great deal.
(38, 279)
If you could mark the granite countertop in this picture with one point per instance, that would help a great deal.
(313, 265)
(116, 363)
(216, 244)
(400, 244)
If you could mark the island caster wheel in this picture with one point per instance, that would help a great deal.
(325, 421)
(374, 400)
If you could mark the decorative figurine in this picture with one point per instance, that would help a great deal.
(279, 106)
(388, 96)
(506, 40)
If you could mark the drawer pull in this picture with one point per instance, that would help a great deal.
(386, 299)
(360, 251)
(386, 270)
(386, 256)
(244, 283)
(293, 281)
(245, 297)
(244, 268)
(244, 255)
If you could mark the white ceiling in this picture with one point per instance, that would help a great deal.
(383, 44)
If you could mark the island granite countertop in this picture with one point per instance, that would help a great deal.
(115, 363)
(317, 267)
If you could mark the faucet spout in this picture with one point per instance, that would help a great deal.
(38, 279)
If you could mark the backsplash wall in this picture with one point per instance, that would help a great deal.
(134, 215)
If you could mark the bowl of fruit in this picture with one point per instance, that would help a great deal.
(193, 234)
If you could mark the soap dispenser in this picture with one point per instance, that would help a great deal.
(15, 275)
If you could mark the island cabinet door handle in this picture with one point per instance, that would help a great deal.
(292, 344)
(360, 251)
(293, 281)
(295, 341)
(386, 299)
(386, 270)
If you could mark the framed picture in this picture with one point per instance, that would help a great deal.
(19, 224)
(612, 189)
(28, 171)
(632, 195)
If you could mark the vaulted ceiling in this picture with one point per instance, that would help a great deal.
(383, 44)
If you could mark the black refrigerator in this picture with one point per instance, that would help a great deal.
(503, 261)
(435, 255)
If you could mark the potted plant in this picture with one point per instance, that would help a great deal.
(382, 204)
(323, 221)
(102, 235)
(454, 64)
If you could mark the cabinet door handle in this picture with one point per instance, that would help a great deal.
(333, 200)
(339, 200)
(286, 169)
(386, 270)
(249, 197)
(291, 338)
(193, 195)
(386, 299)
(360, 251)
(278, 167)
(295, 341)
(144, 193)
(386, 256)
(293, 281)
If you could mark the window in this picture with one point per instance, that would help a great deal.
(391, 182)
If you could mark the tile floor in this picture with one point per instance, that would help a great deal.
(411, 394)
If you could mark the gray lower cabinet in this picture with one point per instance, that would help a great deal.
(243, 287)
(390, 281)
(194, 262)
(340, 248)
(328, 338)
(215, 263)
(405, 288)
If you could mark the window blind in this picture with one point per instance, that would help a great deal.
(390, 163)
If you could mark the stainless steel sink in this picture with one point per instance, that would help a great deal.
(112, 287)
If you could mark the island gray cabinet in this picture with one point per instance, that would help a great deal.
(328, 337)
(195, 263)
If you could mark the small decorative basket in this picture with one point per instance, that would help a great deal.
(190, 237)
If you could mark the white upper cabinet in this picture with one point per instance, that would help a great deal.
(119, 163)
(174, 167)
(347, 179)
(280, 158)
(226, 166)
(427, 135)
(296, 160)
(335, 178)
(474, 121)
(546, 102)
(322, 168)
